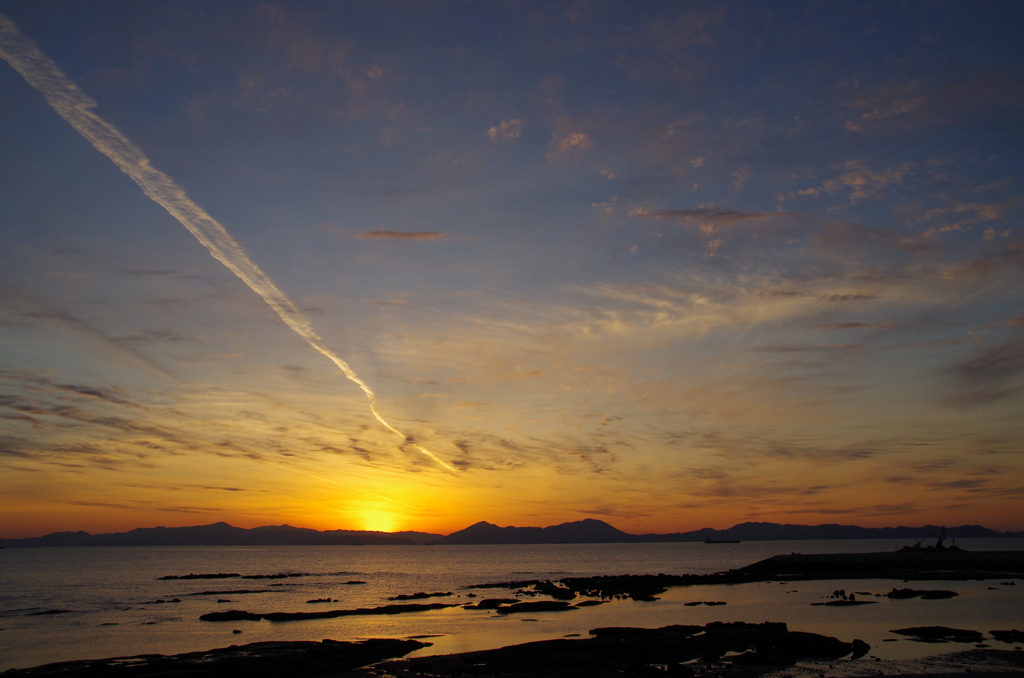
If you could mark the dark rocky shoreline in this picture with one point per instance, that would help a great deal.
(716, 650)
(609, 652)
(921, 565)
(667, 651)
(295, 659)
(242, 615)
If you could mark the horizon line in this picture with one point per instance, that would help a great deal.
(1016, 532)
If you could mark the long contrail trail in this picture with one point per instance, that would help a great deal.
(73, 105)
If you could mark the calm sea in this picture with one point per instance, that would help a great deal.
(109, 593)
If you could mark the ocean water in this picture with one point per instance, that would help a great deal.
(110, 592)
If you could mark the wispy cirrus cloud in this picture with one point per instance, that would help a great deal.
(707, 215)
(873, 510)
(909, 106)
(22, 310)
(798, 349)
(385, 234)
(144, 505)
(989, 376)
(859, 181)
(856, 326)
(715, 224)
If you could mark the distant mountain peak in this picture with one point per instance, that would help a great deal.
(589, 530)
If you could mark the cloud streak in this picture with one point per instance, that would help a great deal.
(384, 234)
(74, 106)
(22, 310)
(718, 217)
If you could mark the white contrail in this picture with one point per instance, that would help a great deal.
(73, 105)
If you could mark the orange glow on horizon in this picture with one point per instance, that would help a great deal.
(380, 521)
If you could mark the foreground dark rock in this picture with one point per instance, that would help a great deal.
(909, 565)
(421, 595)
(491, 603)
(639, 652)
(535, 606)
(914, 565)
(610, 653)
(235, 575)
(1012, 636)
(242, 615)
(899, 594)
(941, 634)
(218, 575)
(231, 592)
(643, 587)
(303, 659)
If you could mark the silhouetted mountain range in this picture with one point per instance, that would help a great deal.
(222, 534)
(775, 531)
(587, 531)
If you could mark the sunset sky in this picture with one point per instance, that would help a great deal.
(670, 265)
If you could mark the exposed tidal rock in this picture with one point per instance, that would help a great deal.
(231, 615)
(900, 594)
(302, 659)
(236, 615)
(917, 565)
(235, 575)
(1012, 636)
(846, 603)
(556, 591)
(638, 587)
(536, 606)
(492, 603)
(940, 634)
(920, 565)
(629, 652)
(232, 592)
(421, 595)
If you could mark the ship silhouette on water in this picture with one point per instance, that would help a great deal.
(939, 546)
